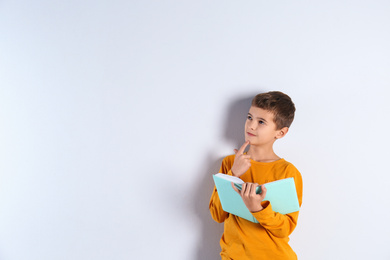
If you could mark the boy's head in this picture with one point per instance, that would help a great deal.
(279, 104)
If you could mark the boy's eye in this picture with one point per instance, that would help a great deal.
(249, 117)
(261, 122)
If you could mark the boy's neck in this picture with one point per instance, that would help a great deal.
(262, 154)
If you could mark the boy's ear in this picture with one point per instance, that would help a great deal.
(281, 132)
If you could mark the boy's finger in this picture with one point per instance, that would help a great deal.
(235, 151)
(245, 189)
(253, 188)
(242, 149)
(248, 188)
(263, 190)
(234, 187)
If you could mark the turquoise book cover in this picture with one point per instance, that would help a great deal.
(281, 194)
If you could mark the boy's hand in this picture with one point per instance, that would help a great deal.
(242, 162)
(251, 199)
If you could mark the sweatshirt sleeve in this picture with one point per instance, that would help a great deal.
(215, 207)
(281, 225)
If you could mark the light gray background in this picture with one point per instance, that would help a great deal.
(114, 115)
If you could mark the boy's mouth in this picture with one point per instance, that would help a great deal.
(250, 134)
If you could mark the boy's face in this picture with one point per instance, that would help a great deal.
(260, 128)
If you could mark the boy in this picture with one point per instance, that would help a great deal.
(269, 119)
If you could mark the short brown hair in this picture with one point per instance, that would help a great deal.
(279, 104)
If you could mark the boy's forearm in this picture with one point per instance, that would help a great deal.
(215, 207)
(279, 225)
(256, 209)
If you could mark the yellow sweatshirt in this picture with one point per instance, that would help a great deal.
(267, 239)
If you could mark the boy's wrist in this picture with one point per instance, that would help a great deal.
(235, 175)
(257, 209)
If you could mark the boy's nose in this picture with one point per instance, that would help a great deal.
(253, 125)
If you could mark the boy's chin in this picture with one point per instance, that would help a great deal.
(250, 139)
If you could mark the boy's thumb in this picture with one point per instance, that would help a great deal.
(235, 151)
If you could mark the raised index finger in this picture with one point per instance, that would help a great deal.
(242, 148)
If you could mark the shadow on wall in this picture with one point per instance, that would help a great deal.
(208, 246)
(235, 120)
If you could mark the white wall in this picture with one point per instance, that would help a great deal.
(114, 115)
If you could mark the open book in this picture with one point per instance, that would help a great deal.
(281, 194)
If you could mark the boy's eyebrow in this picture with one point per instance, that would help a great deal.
(258, 117)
